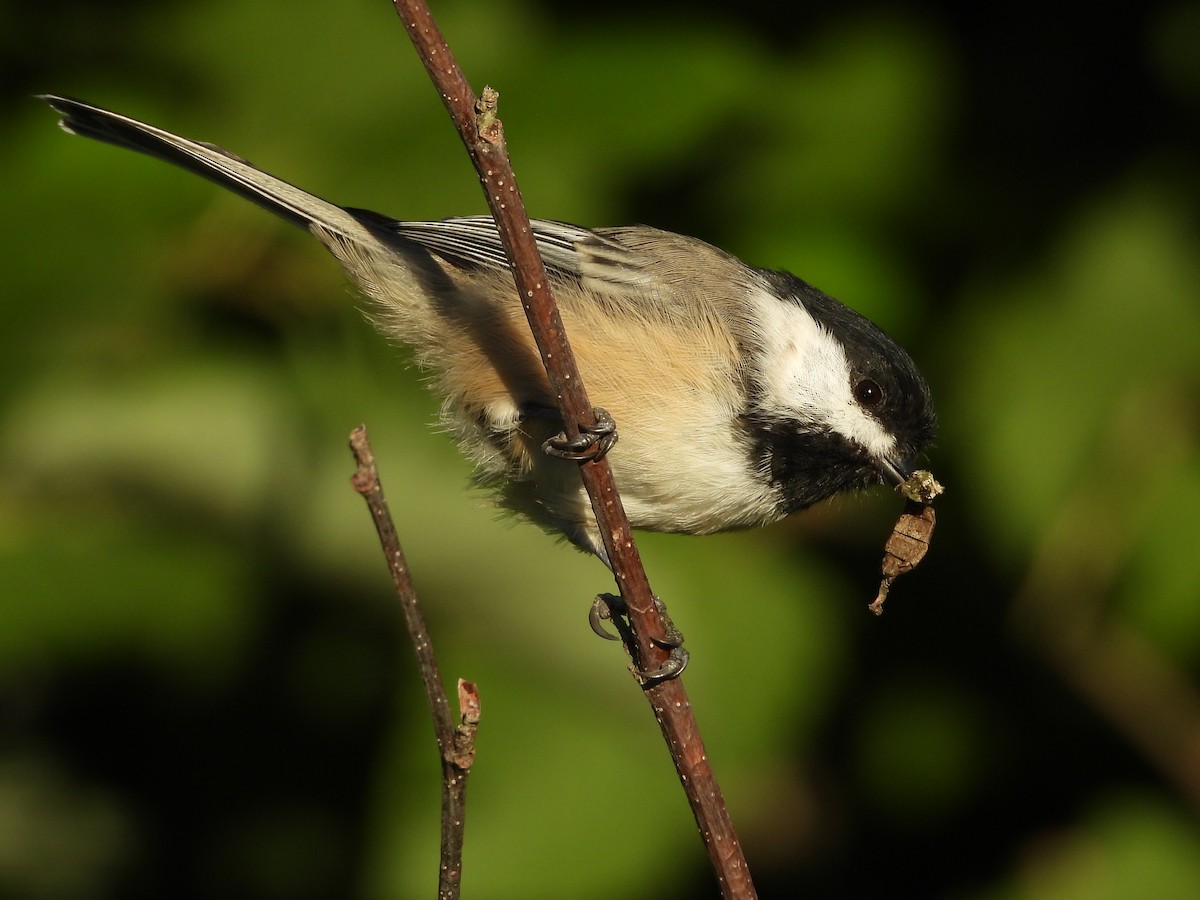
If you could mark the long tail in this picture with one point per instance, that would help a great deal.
(211, 162)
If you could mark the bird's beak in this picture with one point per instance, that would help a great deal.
(895, 471)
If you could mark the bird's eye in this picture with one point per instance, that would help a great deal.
(868, 393)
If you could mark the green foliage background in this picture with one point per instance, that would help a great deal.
(203, 689)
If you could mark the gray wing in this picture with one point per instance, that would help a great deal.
(472, 242)
(636, 271)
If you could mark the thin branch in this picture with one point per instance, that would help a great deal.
(456, 766)
(455, 743)
(482, 133)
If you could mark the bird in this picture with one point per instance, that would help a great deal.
(741, 394)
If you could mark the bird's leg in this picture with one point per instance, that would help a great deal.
(612, 607)
(593, 443)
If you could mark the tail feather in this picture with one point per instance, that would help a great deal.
(209, 161)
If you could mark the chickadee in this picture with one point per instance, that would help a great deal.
(742, 394)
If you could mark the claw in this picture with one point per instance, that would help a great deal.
(592, 443)
(672, 667)
(612, 608)
(596, 616)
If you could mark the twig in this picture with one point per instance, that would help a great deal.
(456, 766)
(455, 743)
(482, 133)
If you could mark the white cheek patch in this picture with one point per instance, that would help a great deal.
(805, 375)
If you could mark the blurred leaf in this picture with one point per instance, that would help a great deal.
(213, 434)
(1161, 585)
(1129, 847)
(1046, 362)
(921, 750)
(58, 838)
(116, 587)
